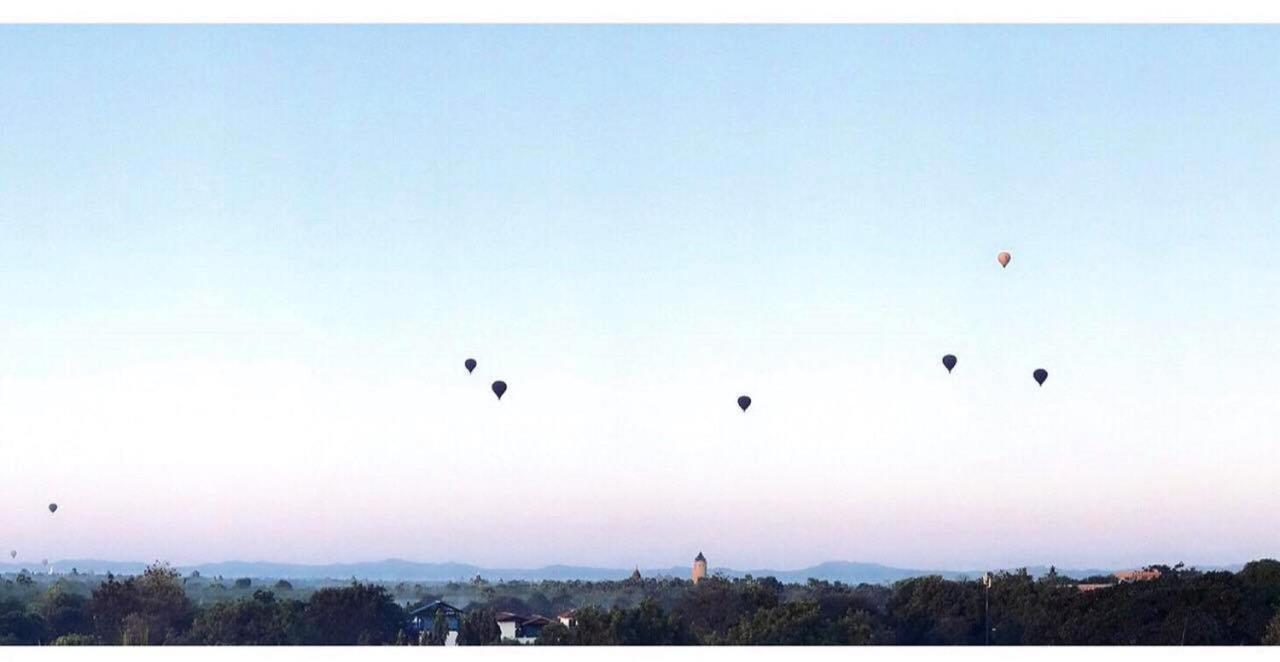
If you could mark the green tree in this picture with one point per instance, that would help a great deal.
(110, 603)
(1272, 636)
(440, 629)
(135, 630)
(554, 634)
(479, 628)
(859, 628)
(509, 603)
(593, 627)
(261, 620)
(150, 609)
(64, 612)
(788, 624)
(648, 625)
(1263, 572)
(715, 604)
(935, 611)
(164, 603)
(18, 626)
(354, 614)
(1262, 579)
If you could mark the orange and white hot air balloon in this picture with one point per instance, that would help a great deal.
(1003, 258)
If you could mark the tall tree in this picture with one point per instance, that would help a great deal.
(64, 612)
(440, 629)
(355, 614)
(479, 628)
(150, 609)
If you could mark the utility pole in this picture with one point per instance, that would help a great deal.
(986, 608)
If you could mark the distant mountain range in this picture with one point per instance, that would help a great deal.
(401, 570)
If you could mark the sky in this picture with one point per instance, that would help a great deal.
(241, 268)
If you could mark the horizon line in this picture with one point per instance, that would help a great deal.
(628, 568)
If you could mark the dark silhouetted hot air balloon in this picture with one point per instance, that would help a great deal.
(1040, 374)
(499, 387)
(744, 401)
(471, 365)
(1003, 258)
(53, 507)
(13, 554)
(949, 362)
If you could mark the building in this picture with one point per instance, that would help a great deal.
(1144, 575)
(1124, 577)
(699, 567)
(566, 617)
(508, 623)
(423, 618)
(522, 629)
(635, 577)
(529, 630)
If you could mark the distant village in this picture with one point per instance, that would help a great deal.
(518, 628)
(525, 628)
(1124, 577)
(165, 606)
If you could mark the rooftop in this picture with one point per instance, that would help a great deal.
(432, 607)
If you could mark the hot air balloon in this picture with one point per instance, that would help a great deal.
(53, 508)
(1040, 374)
(471, 365)
(1003, 258)
(13, 554)
(499, 387)
(744, 401)
(949, 362)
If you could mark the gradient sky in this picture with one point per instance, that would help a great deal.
(240, 268)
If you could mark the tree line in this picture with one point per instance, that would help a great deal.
(1181, 607)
